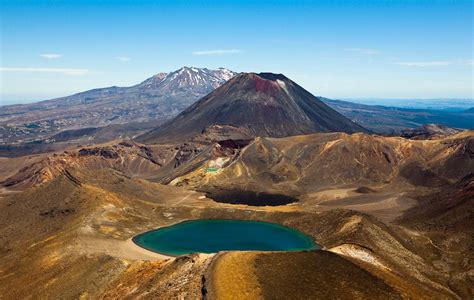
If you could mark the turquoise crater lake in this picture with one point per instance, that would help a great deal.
(210, 236)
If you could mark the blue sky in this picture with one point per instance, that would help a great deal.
(337, 49)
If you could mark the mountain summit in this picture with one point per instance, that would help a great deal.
(195, 80)
(265, 104)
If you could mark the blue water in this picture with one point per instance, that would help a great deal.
(210, 236)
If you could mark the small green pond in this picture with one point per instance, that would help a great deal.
(210, 236)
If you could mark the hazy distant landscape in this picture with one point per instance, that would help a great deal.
(236, 150)
(101, 115)
(454, 105)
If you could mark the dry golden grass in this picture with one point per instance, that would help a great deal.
(234, 277)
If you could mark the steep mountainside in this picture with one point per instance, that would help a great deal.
(157, 98)
(265, 104)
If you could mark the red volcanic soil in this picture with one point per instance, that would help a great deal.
(265, 86)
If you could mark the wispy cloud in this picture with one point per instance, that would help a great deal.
(365, 51)
(470, 62)
(123, 58)
(217, 52)
(65, 71)
(424, 63)
(50, 55)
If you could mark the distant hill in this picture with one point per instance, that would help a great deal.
(470, 110)
(265, 104)
(445, 104)
(392, 120)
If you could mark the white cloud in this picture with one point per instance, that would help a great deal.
(470, 62)
(366, 51)
(50, 55)
(123, 58)
(217, 52)
(424, 63)
(65, 71)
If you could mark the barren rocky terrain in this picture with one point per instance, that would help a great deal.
(393, 215)
(70, 227)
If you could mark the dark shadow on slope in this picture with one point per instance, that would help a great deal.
(236, 196)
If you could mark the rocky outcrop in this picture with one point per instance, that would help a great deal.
(429, 131)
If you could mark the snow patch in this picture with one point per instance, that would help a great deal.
(282, 84)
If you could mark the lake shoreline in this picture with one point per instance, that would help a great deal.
(132, 248)
(165, 238)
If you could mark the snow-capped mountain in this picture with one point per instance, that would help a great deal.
(158, 98)
(153, 81)
(191, 79)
